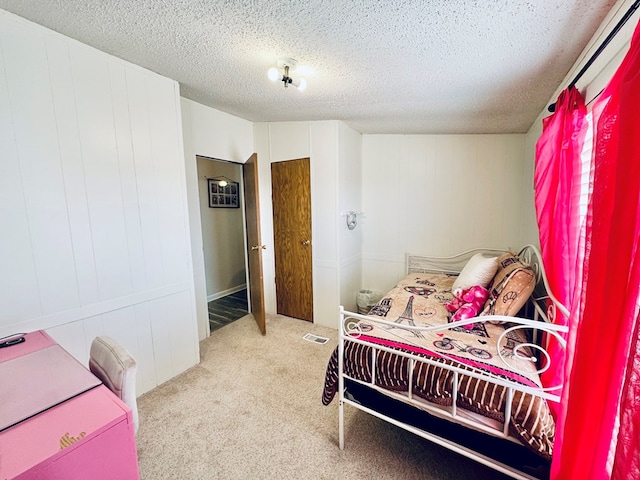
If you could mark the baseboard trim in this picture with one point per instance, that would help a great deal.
(224, 293)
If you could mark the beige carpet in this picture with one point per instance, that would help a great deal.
(252, 410)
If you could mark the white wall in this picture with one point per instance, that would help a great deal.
(215, 134)
(95, 236)
(349, 199)
(437, 195)
(223, 232)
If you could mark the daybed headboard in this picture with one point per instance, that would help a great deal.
(453, 264)
(529, 255)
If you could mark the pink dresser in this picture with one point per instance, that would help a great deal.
(57, 421)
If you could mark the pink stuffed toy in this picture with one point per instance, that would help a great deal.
(467, 303)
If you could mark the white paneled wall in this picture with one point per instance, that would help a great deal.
(95, 236)
(324, 207)
(325, 143)
(215, 134)
(438, 194)
(349, 199)
(262, 142)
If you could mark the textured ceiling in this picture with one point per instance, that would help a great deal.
(395, 66)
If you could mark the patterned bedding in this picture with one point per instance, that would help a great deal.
(419, 299)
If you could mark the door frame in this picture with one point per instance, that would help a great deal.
(207, 326)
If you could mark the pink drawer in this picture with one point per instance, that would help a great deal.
(89, 436)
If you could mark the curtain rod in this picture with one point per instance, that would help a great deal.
(604, 44)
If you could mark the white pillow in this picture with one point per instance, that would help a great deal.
(479, 270)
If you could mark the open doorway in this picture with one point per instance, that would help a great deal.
(223, 239)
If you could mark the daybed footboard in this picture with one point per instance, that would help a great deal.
(517, 405)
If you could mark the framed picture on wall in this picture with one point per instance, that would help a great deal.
(223, 193)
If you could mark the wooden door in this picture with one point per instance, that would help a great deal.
(291, 195)
(254, 241)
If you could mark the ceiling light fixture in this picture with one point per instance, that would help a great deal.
(287, 65)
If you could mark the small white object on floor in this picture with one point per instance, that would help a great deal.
(314, 338)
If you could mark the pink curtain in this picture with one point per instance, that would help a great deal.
(625, 230)
(603, 367)
(557, 181)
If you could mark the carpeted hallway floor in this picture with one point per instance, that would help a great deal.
(252, 410)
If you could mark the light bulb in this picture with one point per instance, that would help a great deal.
(273, 74)
(302, 84)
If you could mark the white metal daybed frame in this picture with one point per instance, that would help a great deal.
(542, 321)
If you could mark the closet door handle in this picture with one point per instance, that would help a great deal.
(258, 247)
(306, 243)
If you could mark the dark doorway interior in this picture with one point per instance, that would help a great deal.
(227, 309)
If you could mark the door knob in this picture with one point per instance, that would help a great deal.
(258, 247)
(306, 243)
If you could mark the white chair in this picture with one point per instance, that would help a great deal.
(116, 368)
